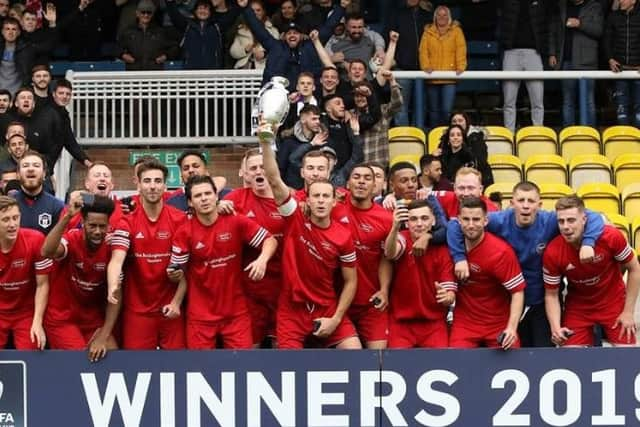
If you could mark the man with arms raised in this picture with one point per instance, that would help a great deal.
(151, 306)
(490, 303)
(24, 282)
(315, 247)
(423, 287)
(596, 292)
(78, 315)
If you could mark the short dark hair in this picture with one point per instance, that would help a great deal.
(427, 159)
(195, 180)
(10, 20)
(63, 83)
(308, 108)
(153, 164)
(329, 98)
(354, 16)
(362, 165)
(473, 203)
(526, 186)
(400, 166)
(23, 89)
(358, 61)
(379, 166)
(333, 68)
(8, 170)
(421, 203)
(40, 67)
(100, 205)
(143, 159)
(188, 153)
(6, 92)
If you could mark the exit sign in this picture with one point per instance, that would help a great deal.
(169, 158)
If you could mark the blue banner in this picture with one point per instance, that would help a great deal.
(540, 387)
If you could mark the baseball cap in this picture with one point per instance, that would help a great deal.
(146, 6)
(329, 150)
(293, 26)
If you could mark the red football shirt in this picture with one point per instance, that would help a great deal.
(593, 286)
(148, 244)
(494, 274)
(451, 205)
(312, 255)
(18, 269)
(413, 291)
(79, 285)
(369, 229)
(214, 257)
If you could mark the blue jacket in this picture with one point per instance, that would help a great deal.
(286, 62)
(528, 243)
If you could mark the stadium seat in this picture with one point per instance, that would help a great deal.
(414, 159)
(499, 140)
(635, 232)
(545, 168)
(626, 168)
(631, 200)
(600, 197)
(584, 168)
(617, 140)
(621, 222)
(576, 140)
(550, 192)
(406, 140)
(504, 188)
(532, 140)
(434, 137)
(505, 168)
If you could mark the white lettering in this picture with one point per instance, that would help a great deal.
(447, 401)
(116, 390)
(608, 417)
(316, 399)
(167, 399)
(636, 391)
(259, 389)
(547, 397)
(505, 415)
(369, 400)
(223, 408)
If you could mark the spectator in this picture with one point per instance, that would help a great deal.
(86, 27)
(250, 54)
(330, 83)
(16, 10)
(442, 48)
(409, 22)
(575, 30)
(293, 55)
(4, 8)
(6, 176)
(431, 178)
(622, 50)
(341, 135)
(313, 15)
(302, 96)
(285, 16)
(357, 42)
(366, 107)
(146, 46)
(46, 38)
(5, 100)
(16, 147)
(457, 153)
(380, 178)
(40, 80)
(524, 38)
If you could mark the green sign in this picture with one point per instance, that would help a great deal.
(169, 158)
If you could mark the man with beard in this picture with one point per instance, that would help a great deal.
(40, 80)
(40, 210)
(356, 43)
(24, 284)
(78, 315)
(431, 178)
(212, 246)
(16, 147)
(256, 202)
(151, 304)
(5, 100)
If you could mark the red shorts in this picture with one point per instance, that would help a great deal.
(148, 331)
(581, 323)
(69, 335)
(295, 323)
(263, 317)
(234, 332)
(418, 333)
(19, 324)
(472, 336)
(371, 323)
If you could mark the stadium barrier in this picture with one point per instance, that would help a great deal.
(530, 387)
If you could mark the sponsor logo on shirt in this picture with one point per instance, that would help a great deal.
(99, 266)
(80, 265)
(597, 258)
(223, 237)
(163, 235)
(139, 235)
(325, 245)
(344, 220)
(44, 220)
(250, 214)
(570, 267)
(366, 228)
(275, 215)
(199, 245)
(19, 263)
(474, 267)
(591, 281)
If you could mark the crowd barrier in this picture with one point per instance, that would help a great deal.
(529, 387)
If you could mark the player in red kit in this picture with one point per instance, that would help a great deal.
(24, 281)
(256, 202)
(489, 304)
(423, 286)
(315, 249)
(596, 292)
(210, 247)
(78, 315)
(151, 305)
(369, 224)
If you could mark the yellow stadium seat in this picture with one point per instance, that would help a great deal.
(545, 168)
(631, 200)
(576, 140)
(532, 140)
(434, 137)
(414, 159)
(626, 168)
(617, 140)
(504, 188)
(584, 168)
(550, 192)
(635, 232)
(505, 167)
(406, 140)
(621, 222)
(600, 197)
(499, 140)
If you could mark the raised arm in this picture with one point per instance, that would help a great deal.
(52, 248)
(392, 245)
(324, 56)
(271, 171)
(257, 28)
(387, 64)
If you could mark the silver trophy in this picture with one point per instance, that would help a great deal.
(272, 105)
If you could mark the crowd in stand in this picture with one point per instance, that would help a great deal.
(323, 245)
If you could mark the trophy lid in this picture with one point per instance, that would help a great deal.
(281, 80)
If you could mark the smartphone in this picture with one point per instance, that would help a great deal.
(88, 199)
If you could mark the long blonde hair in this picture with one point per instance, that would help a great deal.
(446, 9)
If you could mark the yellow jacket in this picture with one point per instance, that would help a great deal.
(446, 52)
